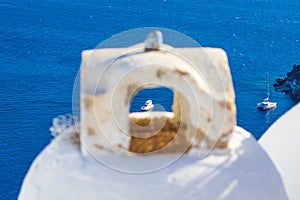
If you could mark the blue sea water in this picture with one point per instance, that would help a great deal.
(41, 42)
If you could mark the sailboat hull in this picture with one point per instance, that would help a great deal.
(266, 105)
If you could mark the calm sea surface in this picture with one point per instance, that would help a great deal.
(41, 42)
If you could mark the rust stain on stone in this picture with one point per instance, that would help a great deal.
(99, 146)
(181, 72)
(200, 135)
(217, 143)
(209, 119)
(140, 121)
(88, 102)
(226, 104)
(221, 144)
(75, 139)
(153, 143)
(227, 133)
(168, 139)
(91, 131)
(160, 73)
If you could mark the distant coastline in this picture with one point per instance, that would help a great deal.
(290, 84)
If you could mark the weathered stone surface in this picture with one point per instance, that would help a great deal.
(157, 132)
(204, 101)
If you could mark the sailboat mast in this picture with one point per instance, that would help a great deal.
(268, 85)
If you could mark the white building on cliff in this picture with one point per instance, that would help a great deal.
(194, 152)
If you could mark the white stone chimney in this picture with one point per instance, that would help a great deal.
(204, 111)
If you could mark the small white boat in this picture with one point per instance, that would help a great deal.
(147, 106)
(266, 104)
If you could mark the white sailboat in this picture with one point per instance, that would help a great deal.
(147, 106)
(266, 104)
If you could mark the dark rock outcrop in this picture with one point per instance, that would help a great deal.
(290, 84)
